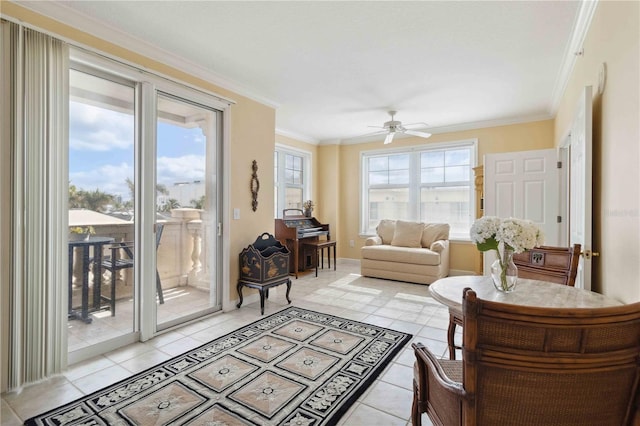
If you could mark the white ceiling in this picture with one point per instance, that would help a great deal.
(333, 68)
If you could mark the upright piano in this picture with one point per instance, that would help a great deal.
(292, 230)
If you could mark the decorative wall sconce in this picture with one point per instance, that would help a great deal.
(255, 186)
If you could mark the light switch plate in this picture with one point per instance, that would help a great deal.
(236, 213)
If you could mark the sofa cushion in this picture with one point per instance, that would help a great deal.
(434, 232)
(407, 234)
(386, 229)
(401, 255)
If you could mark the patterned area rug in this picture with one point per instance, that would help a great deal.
(295, 367)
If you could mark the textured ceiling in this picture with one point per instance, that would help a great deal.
(333, 68)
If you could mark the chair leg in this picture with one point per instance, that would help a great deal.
(451, 334)
(159, 288)
(416, 415)
(112, 302)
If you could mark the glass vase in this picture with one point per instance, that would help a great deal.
(504, 272)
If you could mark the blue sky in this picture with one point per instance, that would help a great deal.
(101, 147)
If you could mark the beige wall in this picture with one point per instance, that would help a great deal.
(613, 38)
(516, 137)
(252, 131)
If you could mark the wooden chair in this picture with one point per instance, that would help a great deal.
(122, 258)
(534, 366)
(554, 264)
(546, 263)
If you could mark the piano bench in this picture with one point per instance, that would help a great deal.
(318, 247)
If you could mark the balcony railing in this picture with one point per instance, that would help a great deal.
(181, 255)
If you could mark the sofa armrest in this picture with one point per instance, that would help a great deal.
(439, 246)
(373, 241)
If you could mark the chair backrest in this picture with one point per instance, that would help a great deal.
(545, 366)
(554, 264)
(159, 229)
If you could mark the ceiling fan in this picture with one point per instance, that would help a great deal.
(392, 127)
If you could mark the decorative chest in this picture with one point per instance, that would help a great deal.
(264, 261)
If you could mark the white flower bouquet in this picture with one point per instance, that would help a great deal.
(509, 236)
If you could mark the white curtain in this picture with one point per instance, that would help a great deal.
(35, 111)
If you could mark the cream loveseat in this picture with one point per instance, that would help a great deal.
(407, 251)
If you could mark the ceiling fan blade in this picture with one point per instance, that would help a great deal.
(421, 124)
(416, 133)
(379, 132)
(389, 138)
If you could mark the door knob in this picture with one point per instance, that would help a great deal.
(588, 254)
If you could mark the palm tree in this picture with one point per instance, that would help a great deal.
(199, 203)
(96, 200)
(75, 197)
(171, 204)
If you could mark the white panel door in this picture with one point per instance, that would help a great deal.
(524, 185)
(580, 162)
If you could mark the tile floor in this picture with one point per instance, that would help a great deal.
(400, 306)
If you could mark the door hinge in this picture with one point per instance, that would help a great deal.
(219, 229)
(559, 165)
(559, 219)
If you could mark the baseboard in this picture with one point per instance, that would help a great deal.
(457, 272)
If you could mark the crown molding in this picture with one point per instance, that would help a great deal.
(297, 136)
(449, 129)
(573, 51)
(71, 17)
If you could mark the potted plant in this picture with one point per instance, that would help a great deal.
(80, 233)
(506, 237)
(308, 206)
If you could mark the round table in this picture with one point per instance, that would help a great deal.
(534, 293)
(448, 291)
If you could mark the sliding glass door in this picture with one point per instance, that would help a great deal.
(144, 205)
(102, 289)
(187, 135)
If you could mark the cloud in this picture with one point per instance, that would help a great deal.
(180, 169)
(111, 178)
(99, 129)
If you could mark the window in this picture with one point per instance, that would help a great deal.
(427, 184)
(291, 179)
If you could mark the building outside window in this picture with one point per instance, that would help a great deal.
(291, 179)
(427, 184)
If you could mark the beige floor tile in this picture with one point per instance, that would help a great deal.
(390, 399)
(405, 326)
(128, 352)
(366, 415)
(101, 379)
(181, 346)
(90, 366)
(146, 360)
(7, 416)
(379, 320)
(406, 357)
(401, 306)
(41, 397)
(399, 375)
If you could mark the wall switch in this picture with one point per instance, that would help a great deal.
(352, 243)
(236, 213)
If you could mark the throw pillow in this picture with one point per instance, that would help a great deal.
(434, 232)
(408, 234)
(385, 230)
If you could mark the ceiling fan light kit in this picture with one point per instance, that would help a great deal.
(393, 126)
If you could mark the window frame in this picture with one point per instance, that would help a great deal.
(415, 185)
(279, 182)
